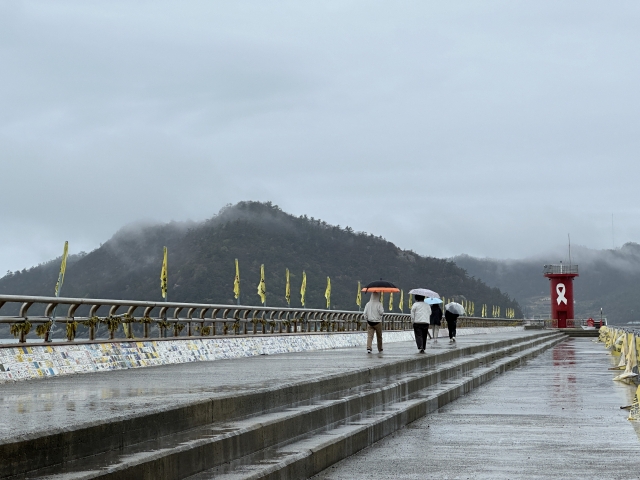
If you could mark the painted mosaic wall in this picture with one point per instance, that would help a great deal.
(28, 362)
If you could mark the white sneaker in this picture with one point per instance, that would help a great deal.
(451, 340)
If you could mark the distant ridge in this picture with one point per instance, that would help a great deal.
(201, 263)
(608, 278)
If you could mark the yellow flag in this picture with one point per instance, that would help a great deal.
(63, 268)
(410, 301)
(303, 287)
(391, 301)
(327, 293)
(163, 275)
(236, 282)
(359, 296)
(287, 289)
(401, 302)
(262, 286)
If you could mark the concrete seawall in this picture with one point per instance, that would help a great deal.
(40, 361)
(291, 414)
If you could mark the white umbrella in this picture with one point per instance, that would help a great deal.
(455, 308)
(425, 292)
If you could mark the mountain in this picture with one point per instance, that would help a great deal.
(609, 279)
(201, 263)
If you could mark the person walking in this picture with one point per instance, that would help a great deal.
(452, 324)
(373, 312)
(420, 315)
(435, 320)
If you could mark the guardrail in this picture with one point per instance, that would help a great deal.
(195, 319)
(560, 269)
(575, 323)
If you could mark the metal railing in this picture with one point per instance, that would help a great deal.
(560, 269)
(574, 323)
(170, 319)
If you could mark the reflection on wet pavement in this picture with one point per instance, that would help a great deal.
(557, 417)
(65, 402)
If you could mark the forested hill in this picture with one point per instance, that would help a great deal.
(201, 263)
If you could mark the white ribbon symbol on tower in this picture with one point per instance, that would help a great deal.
(560, 289)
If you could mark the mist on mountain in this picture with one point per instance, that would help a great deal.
(202, 263)
(609, 279)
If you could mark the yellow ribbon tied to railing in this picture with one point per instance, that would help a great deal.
(631, 360)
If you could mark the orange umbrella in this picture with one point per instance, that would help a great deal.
(381, 286)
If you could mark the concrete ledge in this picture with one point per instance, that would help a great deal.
(265, 434)
(56, 447)
(330, 449)
(41, 361)
(578, 332)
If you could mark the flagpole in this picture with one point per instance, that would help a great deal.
(63, 268)
(164, 282)
(236, 284)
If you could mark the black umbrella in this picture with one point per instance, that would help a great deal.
(380, 286)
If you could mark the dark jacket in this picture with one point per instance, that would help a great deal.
(451, 317)
(436, 315)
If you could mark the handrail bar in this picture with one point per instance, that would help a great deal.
(222, 320)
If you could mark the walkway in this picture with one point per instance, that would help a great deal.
(557, 418)
(52, 404)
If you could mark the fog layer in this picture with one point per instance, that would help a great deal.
(489, 128)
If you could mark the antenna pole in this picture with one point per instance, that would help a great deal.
(613, 238)
(569, 235)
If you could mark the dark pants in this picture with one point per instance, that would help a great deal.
(452, 324)
(421, 330)
(376, 329)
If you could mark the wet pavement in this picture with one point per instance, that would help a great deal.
(36, 406)
(557, 417)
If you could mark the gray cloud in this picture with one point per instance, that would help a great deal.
(488, 128)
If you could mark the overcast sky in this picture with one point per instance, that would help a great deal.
(487, 128)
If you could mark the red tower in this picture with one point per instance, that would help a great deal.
(561, 280)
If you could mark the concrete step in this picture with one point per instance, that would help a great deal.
(219, 443)
(58, 443)
(579, 332)
(310, 454)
